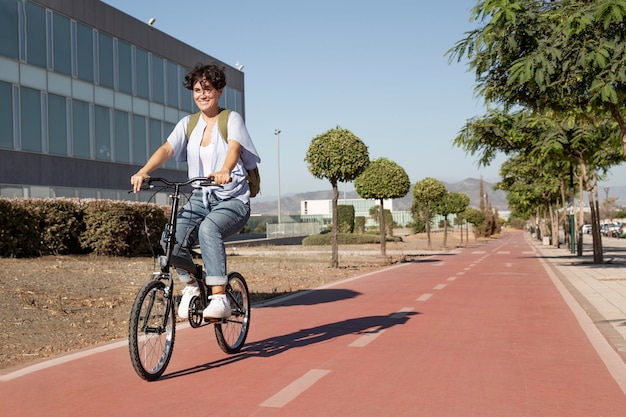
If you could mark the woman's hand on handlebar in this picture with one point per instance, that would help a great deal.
(220, 177)
(137, 180)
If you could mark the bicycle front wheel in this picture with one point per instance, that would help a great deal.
(151, 331)
(231, 332)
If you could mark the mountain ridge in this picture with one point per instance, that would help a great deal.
(290, 204)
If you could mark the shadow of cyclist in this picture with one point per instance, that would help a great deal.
(302, 338)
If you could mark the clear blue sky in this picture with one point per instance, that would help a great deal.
(375, 68)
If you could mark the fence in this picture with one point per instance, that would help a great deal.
(292, 229)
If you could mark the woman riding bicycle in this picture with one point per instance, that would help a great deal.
(216, 212)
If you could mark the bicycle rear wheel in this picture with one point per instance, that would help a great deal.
(231, 332)
(151, 331)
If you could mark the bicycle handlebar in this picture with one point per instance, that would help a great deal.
(203, 182)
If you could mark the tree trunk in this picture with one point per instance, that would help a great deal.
(445, 231)
(598, 256)
(335, 245)
(581, 217)
(427, 220)
(383, 230)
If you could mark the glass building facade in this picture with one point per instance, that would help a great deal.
(87, 94)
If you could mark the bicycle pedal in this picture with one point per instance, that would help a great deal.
(212, 320)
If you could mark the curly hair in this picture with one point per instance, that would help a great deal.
(211, 73)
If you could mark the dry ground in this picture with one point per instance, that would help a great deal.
(58, 304)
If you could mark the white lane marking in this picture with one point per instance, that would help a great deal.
(61, 360)
(452, 279)
(460, 273)
(504, 252)
(440, 287)
(424, 297)
(439, 264)
(478, 252)
(297, 387)
(367, 338)
(402, 313)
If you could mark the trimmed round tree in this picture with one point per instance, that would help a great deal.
(382, 179)
(337, 155)
(426, 193)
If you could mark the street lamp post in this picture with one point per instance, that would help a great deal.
(277, 133)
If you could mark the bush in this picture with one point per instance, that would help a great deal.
(343, 239)
(60, 225)
(19, 229)
(118, 228)
(345, 219)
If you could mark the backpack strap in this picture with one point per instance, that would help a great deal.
(222, 123)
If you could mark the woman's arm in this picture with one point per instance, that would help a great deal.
(158, 158)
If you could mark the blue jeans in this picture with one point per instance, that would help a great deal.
(208, 226)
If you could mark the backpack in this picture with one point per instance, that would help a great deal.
(253, 177)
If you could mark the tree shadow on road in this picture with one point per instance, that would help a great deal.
(313, 297)
(267, 348)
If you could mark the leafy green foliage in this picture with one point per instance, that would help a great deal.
(343, 239)
(427, 193)
(345, 221)
(34, 227)
(19, 233)
(115, 228)
(382, 179)
(337, 155)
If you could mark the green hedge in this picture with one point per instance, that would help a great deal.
(34, 227)
(344, 239)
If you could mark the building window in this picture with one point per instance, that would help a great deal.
(185, 95)
(103, 133)
(30, 110)
(105, 60)
(158, 80)
(142, 77)
(124, 67)
(57, 125)
(84, 52)
(6, 115)
(173, 86)
(81, 141)
(61, 44)
(139, 140)
(35, 35)
(122, 137)
(9, 29)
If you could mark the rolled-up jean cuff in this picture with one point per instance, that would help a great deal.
(216, 280)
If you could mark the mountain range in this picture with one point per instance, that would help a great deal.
(290, 204)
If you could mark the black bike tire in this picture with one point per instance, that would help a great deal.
(235, 326)
(137, 345)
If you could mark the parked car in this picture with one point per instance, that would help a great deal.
(586, 229)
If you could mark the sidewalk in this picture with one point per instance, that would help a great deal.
(599, 289)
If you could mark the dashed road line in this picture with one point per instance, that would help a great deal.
(367, 338)
(440, 286)
(402, 313)
(424, 297)
(451, 279)
(297, 387)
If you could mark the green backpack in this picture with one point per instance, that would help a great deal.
(253, 177)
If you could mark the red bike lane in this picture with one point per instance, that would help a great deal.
(480, 331)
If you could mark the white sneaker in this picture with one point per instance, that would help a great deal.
(189, 292)
(218, 308)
